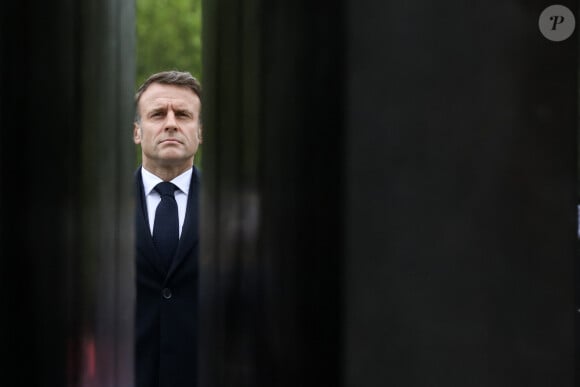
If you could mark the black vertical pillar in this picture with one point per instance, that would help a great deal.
(66, 157)
(389, 195)
(271, 202)
(461, 188)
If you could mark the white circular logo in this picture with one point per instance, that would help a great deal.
(557, 23)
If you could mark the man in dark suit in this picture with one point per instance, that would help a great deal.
(168, 129)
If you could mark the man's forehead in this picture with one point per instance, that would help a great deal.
(160, 94)
(163, 104)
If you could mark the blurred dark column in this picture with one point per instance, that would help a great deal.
(271, 199)
(66, 163)
(461, 196)
(389, 195)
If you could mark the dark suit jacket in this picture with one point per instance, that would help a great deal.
(166, 308)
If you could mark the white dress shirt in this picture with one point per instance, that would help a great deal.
(182, 182)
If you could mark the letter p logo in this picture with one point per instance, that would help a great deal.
(557, 20)
(557, 23)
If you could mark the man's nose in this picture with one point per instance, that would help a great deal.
(170, 121)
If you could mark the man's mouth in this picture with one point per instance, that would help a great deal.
(170, 140)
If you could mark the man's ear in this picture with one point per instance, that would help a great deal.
(136, 133)
(200, 134)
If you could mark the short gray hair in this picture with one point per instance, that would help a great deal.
(173, 77)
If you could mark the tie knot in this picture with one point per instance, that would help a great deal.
(165, 188)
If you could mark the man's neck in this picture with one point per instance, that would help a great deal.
(167, 173)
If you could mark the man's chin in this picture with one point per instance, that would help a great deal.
(172, 159)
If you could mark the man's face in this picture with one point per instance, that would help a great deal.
(169, 131)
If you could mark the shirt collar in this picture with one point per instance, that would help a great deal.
(150, 181)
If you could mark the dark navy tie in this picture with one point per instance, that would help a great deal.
(166, 223)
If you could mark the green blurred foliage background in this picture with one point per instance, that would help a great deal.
(168, 37)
